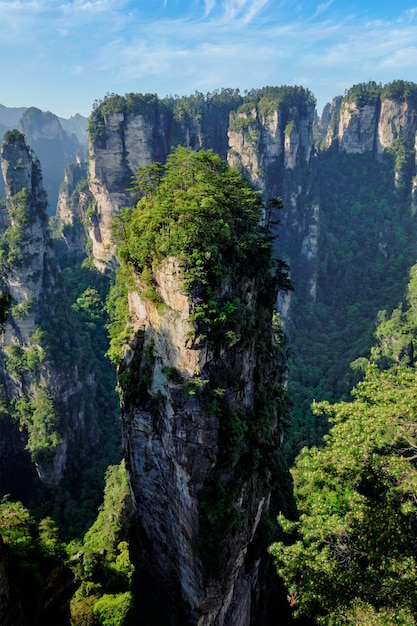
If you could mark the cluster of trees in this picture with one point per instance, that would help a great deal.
(371, 93)
(94, 569)
(350, 557)
(366, 245)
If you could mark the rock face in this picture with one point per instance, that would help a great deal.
(274, 148)
(30, 265)
(262, 143)
(357, 127)
(51, 414)
(374, 127)
(56, 141)
(75, 206)
(130, 141)
(397, 119)
(173, 446)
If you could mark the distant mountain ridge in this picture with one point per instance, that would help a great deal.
(77, 124)
(55, 140)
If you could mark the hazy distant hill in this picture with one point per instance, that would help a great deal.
(9, 116)
(56, 142)
(76, 124)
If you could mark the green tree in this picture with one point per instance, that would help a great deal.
(354, 543)
(202, 212)
(103, 568)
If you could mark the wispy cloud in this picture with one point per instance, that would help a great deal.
(170, 46)
(322, 8)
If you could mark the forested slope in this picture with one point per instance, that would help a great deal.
(351, 557)
(348, 231)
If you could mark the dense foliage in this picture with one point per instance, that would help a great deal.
(366, 245)
(371, 93)
(351, 557)
(200, 211)
(30, 552)
(101, 562)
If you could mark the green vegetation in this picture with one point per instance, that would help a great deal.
(13, 135)
(292, 102)
(401, 91)
(350, 558)
(101, 562)
(364, 94)
(354, 544)
(97, 569)
(42, 422)
(371, 93)
(12, 245)
(33, 550)
(204, 214)
(366, 246)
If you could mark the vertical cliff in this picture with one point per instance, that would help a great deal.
(272, 133)
(380, 120)
(75, 209)
(202, 402)
(43, 382)
(135, 131)
(271, 142)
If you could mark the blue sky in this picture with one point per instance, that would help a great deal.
(61, 55)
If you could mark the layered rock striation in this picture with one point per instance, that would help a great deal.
(268, 137)
(202, 418)
(43, 391)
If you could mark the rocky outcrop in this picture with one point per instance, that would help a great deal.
(75, 207)
(397, 119)
(274, 148)
(326, 126)
(265, 144)
(357, 127)
(56, 141)
(41, 397)
(173, 434)
(28, 259)
(130, 141)
(374, 127)
(54, 148)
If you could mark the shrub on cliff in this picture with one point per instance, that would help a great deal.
(202, 212)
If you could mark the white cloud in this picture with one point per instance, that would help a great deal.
(322, 8)
(209, 5)
(128, 45)
(242, 10)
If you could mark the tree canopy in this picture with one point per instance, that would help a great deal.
(201, 211)
(351, 556)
